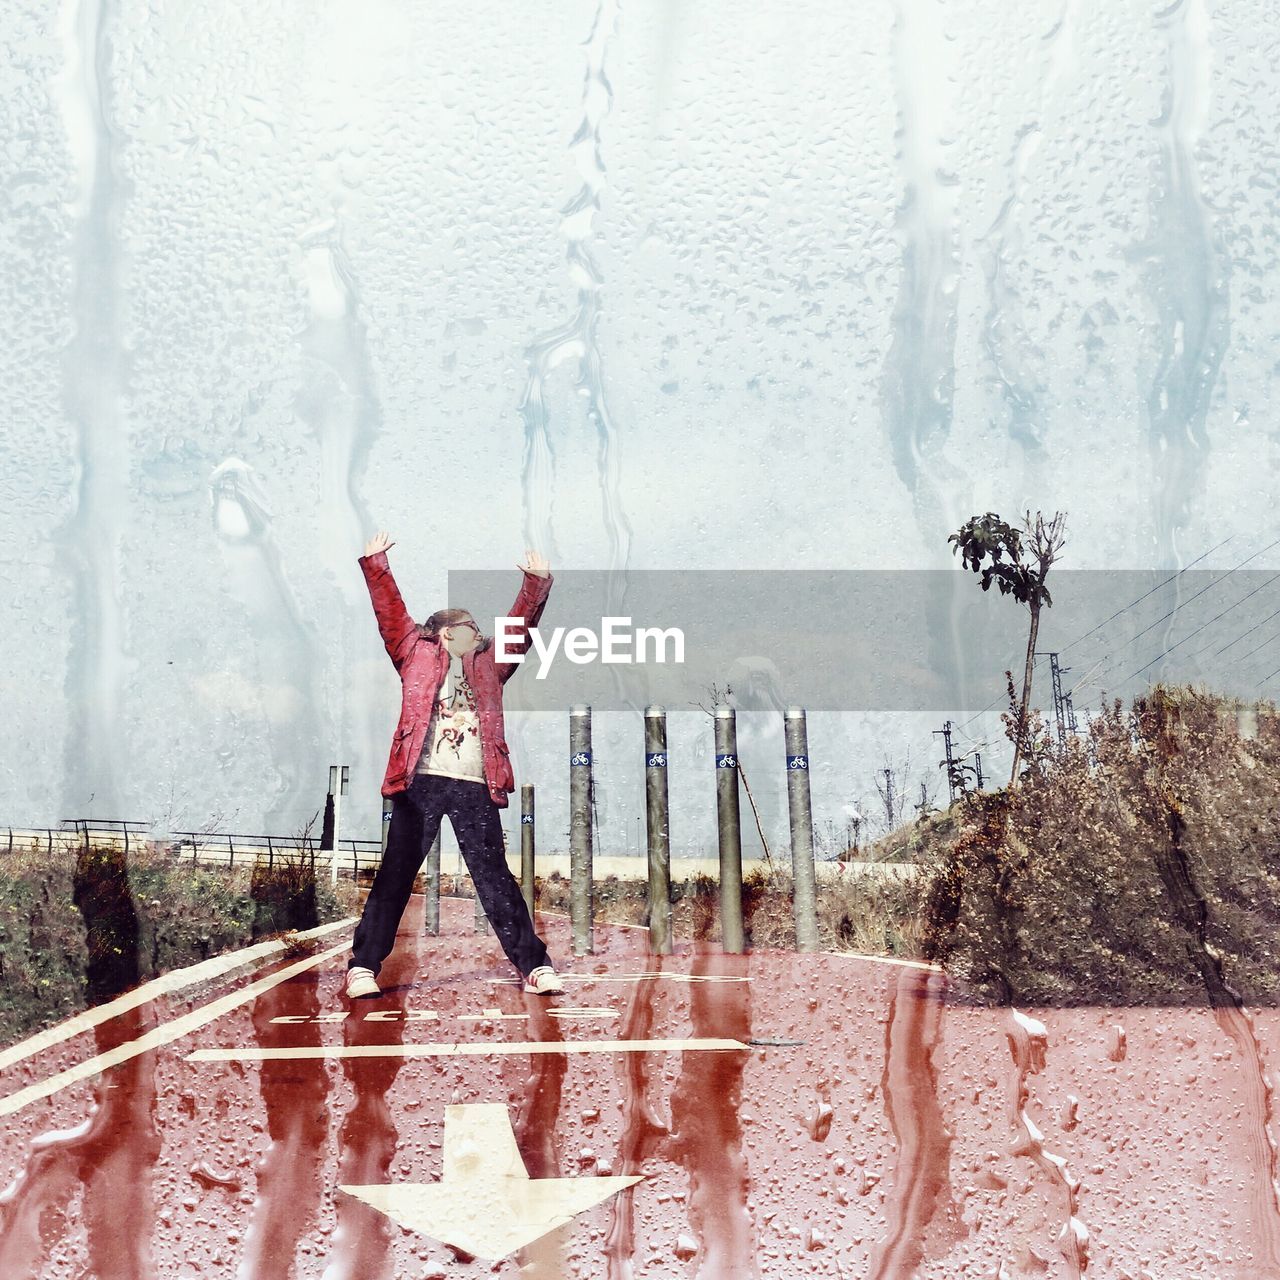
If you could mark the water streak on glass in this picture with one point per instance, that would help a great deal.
(289, 659)
(920, 1192)
(95, 368)
(918, 378)
(577, 338)
(1187, 276)
(535, 1128)
(119, 1142)
(643, 1129)
(1028, 1043)
(706, 1121)
(368, 1139)
(295, 1100)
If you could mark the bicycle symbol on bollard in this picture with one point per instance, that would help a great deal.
(797, 762)
(726, 762)
(656, 760)
(580, 758)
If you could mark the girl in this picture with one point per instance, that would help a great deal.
(448, 756)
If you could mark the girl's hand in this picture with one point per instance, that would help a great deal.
(536, 564)
(379, 542)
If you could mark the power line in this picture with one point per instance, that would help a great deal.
(1141, 598)
(1109, 656)
(1256, 647)
(1199, 629)
(1241, 636)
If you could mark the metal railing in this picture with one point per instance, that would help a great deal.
(74, 833)
(217, 848)
(229, 848)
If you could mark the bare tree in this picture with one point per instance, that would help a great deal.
(891, 789)
(988, 535)
(304, 839)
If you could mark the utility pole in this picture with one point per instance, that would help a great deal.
(977, 764)
(1062, 711)
(949, 763)
(956, 769)
(1071, 710)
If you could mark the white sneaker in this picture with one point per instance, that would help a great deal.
(360, 982)
(543, 981)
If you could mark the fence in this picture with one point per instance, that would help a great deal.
(221, 848)
(353, 857)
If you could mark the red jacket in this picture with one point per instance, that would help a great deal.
(422, 661)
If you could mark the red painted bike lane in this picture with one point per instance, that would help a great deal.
(699, 1114)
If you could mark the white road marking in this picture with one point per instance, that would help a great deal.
(455, 1050)
(635, 977)
(163, 1034)
(906, 964)
(164, 985)
(486, 1203)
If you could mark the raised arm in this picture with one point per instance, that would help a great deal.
(399, 631)
(530, 602)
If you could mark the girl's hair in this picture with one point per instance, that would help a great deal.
(447, 617)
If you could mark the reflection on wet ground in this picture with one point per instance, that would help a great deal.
(786, 1115)
(95, 1176)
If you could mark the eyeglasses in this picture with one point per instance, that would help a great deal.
(450, 625)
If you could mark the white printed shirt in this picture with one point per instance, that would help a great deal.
(452, 745)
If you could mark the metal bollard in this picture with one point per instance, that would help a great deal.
(482, 920)
(730, 831)
(526, 845)
(432, 867)
(656, 816)
(580, 833)
(805, 892)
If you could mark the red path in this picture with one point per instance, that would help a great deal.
(863, 1128)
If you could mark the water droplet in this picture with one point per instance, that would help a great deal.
(686, 1246)
(1117, 1045)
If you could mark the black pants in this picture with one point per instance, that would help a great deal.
(415, 819)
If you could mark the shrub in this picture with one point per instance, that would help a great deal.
(1138, 865)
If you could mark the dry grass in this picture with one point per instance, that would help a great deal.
(857, 911)
(1139, 865)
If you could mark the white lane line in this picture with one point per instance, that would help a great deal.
(257, 1054)
(595, 924)
(163, 1034)
(164, 985)
(672, 975)
(906, 964)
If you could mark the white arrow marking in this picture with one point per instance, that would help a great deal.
(486, 1203)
